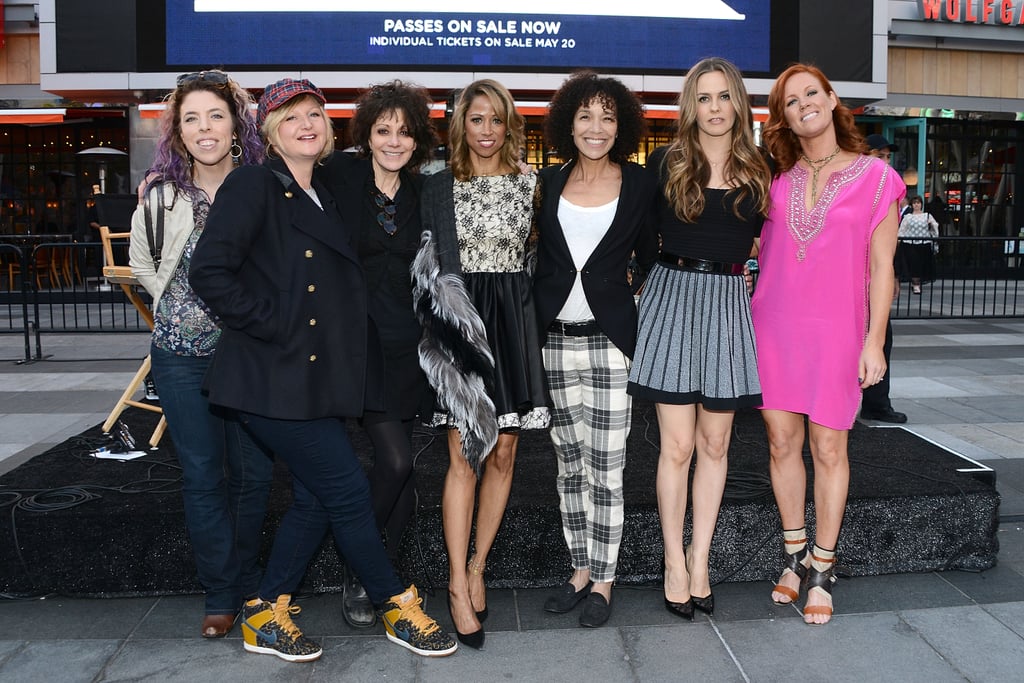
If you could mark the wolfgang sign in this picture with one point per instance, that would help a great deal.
(993, 12)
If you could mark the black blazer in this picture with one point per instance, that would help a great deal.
(285, 281)
(604, 274)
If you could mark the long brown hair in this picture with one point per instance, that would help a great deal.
(688, 169)
(505, 108)
(783, 143)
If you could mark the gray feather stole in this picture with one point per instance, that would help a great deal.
(454, 353)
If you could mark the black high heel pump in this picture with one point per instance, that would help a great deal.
(475, 639)
(683, 610)
(705, 604)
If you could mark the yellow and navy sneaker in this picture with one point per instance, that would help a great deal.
(407, 624)
(268, 629)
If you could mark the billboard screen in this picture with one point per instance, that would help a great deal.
(616, 36)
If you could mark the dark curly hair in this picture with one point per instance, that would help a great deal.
(380, 100)
(581, 88)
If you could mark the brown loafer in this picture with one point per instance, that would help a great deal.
(217, 625)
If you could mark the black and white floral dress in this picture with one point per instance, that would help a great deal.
(493, 220)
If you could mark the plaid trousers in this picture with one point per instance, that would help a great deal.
(590, 419)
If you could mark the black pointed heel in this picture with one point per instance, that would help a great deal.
(683, 610)
(705, 604)
(474, 640)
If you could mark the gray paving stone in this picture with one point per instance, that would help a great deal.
(377, 659)
(867, 594)
(1011, 546)
(222, 661)
(1010, 615)
(574, 656)
(9, 649)
(696, 653)
(969, 638)
(853, 648)
(71, 618)
(67, 661)
(999, 584)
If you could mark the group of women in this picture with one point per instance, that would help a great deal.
(286, 306)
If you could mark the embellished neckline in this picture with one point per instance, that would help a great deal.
(805, 224)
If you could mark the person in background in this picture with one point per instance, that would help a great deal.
(822, 300)
(595, 212)
(206, 131)
(481, 348)
(278, 265)
(876, 404)
(696, 357)
(917, 230)
(394, 135)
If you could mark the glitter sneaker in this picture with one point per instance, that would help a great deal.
(406, 624)
(268, 629)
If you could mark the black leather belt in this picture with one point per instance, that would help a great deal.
(585, 329)
(702, 266)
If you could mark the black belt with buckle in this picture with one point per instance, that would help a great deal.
(584, 329)
(702, 266)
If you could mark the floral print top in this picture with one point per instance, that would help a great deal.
(493, 218)
(183, 325)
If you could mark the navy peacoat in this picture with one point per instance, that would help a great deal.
(284, 278)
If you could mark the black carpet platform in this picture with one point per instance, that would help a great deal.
(75, 525)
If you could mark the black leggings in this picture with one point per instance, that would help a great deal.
(392, 484)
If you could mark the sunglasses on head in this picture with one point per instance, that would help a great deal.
(214, 76)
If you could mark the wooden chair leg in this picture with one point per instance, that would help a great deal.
(126, 397)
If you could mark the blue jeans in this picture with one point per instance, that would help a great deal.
(329, 489)
(225, 483)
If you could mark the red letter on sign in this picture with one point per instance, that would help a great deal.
(1006, 12)
(930, 9)
(953, 10)
(971, 16)
(986, 10)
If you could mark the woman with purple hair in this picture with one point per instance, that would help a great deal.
(206, 131)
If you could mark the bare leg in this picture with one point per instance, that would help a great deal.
(676, 425)
(714, 428)
(831, 485)
(494, 490)
(789, 478)
(457, 518)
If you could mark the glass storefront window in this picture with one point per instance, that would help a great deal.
(970, 176)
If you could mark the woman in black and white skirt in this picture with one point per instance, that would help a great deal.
(695, 354)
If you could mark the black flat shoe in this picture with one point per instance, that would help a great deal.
(683, 610)
(474, 640)
(566, 598)
(596, 611)
(705, 604)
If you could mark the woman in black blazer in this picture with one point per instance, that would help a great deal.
(277, 265)
(381, 190)
(593, 218)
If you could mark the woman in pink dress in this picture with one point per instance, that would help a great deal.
(820, 310)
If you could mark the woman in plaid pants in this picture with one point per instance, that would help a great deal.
(593, 217)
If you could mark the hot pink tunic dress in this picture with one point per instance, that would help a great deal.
(810, 309)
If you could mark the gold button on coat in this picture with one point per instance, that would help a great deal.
(312, 358)
(311, 288)
(312, 321)
(309, 253)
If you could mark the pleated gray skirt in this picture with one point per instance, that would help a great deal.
(695, 342)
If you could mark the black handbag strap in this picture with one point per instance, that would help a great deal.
(155, 234)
